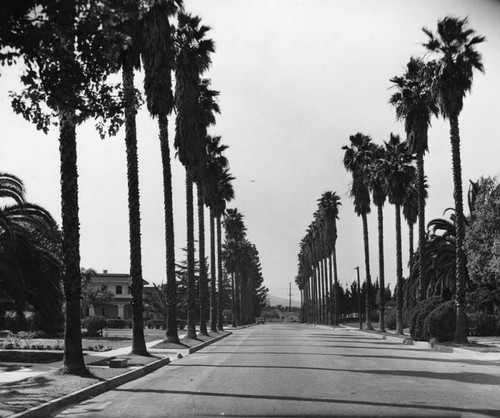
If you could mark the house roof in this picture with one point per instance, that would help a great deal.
(115, 277)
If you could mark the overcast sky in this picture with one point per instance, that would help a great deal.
(297, 78)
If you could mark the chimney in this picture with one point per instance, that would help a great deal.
(105, 272)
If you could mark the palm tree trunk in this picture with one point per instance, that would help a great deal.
(327, 294)
(203, 291)
(410, 243)
(421, 225)
(316, 294)
(381, 272)
(134, 213)
(321, 291)
(461, 261)
(213, 277)
(171, 334)
(307, 302)
(220, 304)
(399, 271)
(191, 299)
(73, 362)
(336, 285)
(368, 276)
(313, 294)
(325, 290)
(233, 300)
(238, 298)
(332, 291)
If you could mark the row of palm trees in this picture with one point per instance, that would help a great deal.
(433, 85)
(68, 50)
(317, 276)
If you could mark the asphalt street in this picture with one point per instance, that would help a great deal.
(281, 370)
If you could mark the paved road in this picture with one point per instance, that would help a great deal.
(298, 370)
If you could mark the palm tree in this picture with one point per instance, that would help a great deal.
(439, 262)
(357, 158)
(209, 107)
(379, 195)
(215, 164)
(130, 60)
(30, 256)
(193, 59)
(329, 208)
(415, 103)
(397, 169)
(235, 236)
(457, 58)
(158, 57)
(410, 213)
(224, 194)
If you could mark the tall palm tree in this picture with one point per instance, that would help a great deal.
(235, 235)
(193, 59)
(415, 103)
(410, 213)
(215, 165)
(357, 158)
(329, 208)
(209, 107)
(379, 195)
(454, 45)
(225, 193)
(158, 58)
(396, 167)
(130, 60)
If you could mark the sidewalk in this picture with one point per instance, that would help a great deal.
(489, 351)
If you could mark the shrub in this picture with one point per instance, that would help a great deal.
(94, 324)
(118, 323)
(390, 317)
(440, 323)
(483, 324)
(156, 324)
(6, 333)
(418, 315)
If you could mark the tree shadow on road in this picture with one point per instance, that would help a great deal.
(439, 360)
(193, 394)
(462, 377)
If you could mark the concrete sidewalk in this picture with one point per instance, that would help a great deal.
(473, 352)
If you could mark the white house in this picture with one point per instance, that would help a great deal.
(119, 285)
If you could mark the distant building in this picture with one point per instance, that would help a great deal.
(287, 316)
(119, 285)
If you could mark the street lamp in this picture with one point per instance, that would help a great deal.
(359, 300)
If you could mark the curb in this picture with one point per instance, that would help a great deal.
(205, 343)
(51, 407)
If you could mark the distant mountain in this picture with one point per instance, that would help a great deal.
(275, 300)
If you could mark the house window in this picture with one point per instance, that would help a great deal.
(118, 290)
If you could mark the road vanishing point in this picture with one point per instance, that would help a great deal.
(294, 370)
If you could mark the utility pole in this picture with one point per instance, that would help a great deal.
(359, 301)
(290, 298)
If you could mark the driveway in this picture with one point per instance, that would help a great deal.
(300, 370)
